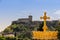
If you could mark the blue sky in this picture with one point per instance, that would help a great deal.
(11, 10)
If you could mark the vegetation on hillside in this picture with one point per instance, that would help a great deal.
(20, 31)
(24, 32)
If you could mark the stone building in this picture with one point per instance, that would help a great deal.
(28, 22)
(23, 20)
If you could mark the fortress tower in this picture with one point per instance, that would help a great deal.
(30, 18)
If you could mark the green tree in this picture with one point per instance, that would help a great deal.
(20, 31)
(58, 29)
(8, 30)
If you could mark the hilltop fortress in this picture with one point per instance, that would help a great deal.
(28, 22)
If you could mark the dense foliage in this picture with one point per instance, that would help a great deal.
(23, 32)
(20, 31)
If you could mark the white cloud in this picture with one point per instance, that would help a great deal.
(57, 12)
(4, 23)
